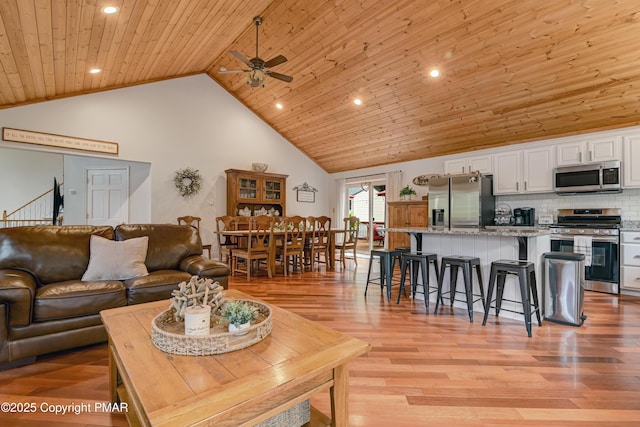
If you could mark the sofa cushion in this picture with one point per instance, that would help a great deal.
(112, 260)
(156, 286)
(76, 298)
(51, 253)
(168, 244)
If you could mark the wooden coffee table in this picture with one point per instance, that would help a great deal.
(244, 387)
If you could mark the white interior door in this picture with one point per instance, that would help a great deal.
(107, 196)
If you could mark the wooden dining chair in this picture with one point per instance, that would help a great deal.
(259, 248)
(319, 241)
(291, 247)
(194, 221)
(225, 244)
(349, 240)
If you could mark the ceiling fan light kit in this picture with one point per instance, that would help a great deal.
(259, 70)
(256, 79)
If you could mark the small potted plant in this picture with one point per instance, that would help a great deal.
(407, 192)
(238, 314)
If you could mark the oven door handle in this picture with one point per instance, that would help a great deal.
(610, 239)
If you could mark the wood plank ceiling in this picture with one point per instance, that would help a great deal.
(511, 70)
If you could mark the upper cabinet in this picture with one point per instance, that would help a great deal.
(521, 170)
(469, 164)
(631, 163)
(526, 171)
(596, 150)
(255, 192)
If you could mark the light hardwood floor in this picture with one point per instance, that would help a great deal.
(424, 369)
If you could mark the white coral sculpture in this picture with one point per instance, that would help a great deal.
(197, 292)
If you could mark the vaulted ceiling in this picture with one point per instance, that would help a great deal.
(511, 70)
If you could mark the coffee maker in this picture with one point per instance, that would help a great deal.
(524, 216)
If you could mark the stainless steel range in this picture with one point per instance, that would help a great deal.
(599, 239)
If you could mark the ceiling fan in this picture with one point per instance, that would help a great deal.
(258, 68)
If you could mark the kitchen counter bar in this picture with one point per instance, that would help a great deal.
(522, 234)
(488, 244)
(494, 231)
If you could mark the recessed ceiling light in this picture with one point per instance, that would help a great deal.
(109, 9)
(95, 70)
(279, 106)
(357, 101)
(434, 73)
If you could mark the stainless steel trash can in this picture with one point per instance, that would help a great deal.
(563, 288)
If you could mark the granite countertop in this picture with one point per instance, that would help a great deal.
(630, 225)
(489, 231)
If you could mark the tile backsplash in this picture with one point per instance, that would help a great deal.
(628, 201)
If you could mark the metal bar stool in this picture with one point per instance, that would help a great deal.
(467, 264)
(526, 273)
(415, 261)
(387, 264)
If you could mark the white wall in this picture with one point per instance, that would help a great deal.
(25, 175)
(75, 179)
(186, 122)
(409, 171)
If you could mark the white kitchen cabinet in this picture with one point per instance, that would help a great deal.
(595, 150)
(506, 179)
(631, 162)
(630, 260)
(526, 171)
(483, 164)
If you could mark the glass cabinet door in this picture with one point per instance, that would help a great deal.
(272, 190)
(248, 188)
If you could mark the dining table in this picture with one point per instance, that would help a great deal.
(279, 234)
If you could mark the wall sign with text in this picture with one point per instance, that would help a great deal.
(306, 196)
(305, 193)
(59, 141)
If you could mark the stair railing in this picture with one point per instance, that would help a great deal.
(35, 212)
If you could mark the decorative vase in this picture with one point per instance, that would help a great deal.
(239, 329)
(259, 167)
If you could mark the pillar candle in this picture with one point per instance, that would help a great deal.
(197, 320)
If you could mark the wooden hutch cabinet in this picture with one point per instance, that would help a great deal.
(406, 213)
(255, 191)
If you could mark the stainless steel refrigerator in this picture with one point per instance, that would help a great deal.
(461, 201)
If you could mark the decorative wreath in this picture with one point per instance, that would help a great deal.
(188, 181)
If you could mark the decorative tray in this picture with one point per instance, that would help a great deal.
(168, 335)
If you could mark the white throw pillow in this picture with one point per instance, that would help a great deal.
(116, 260)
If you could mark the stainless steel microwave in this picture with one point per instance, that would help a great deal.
(601, 177)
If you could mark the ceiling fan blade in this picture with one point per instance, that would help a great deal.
(241, 58)
(223, 70)
(279, 76)
(280, 59)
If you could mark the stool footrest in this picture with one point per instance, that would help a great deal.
(387, 265)
(465, 265)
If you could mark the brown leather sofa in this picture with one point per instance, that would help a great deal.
(46, 307)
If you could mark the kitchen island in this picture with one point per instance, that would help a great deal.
(488, 244)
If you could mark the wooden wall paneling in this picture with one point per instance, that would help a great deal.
(511, 71)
